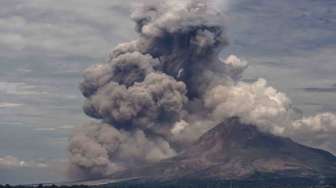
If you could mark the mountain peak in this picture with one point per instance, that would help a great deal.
(232, 136)
(234, 150)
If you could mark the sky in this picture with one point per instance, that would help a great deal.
(45, 44)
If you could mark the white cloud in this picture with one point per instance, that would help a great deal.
(45, 129)
(316, 131)
(9, 105)
(20, 88)
(9, 162)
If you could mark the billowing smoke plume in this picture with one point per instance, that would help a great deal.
(254, 103)
(102, 149)
(149, 96)
(161, 92)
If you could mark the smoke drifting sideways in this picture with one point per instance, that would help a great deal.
(161, 92)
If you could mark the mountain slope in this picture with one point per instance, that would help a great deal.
(238, 151)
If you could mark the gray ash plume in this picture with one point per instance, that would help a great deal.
(159, 93)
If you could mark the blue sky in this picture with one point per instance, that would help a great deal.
(45, 44)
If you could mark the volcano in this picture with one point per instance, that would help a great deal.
(238, 151)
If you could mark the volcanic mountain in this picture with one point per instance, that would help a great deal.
(237, 151)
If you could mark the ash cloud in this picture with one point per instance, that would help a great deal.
(143, 98)
(157, 97)
(254, 103)
(159, 93)
(100, 149)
